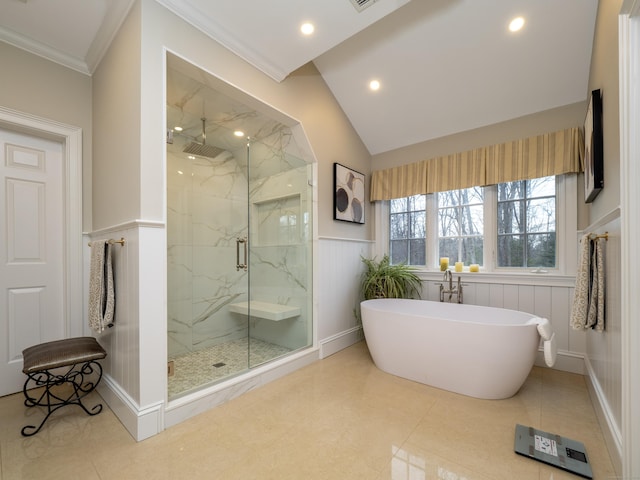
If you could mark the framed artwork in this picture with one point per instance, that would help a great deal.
(348, 194)
(593, 149)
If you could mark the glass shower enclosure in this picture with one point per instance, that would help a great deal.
(239, 234)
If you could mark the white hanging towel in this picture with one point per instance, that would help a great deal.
(550, 351)
(595, 315)
(101, 289)
(544, 328)
(581, 294)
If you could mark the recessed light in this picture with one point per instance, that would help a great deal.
(180, 172)
(516, 24)
(177, 129)
(307, 28)
(191, 157)
(239, 133)
(374, 85)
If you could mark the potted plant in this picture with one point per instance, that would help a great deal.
(384, 280)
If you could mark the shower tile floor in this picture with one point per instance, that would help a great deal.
(201, 367)
(338, 418)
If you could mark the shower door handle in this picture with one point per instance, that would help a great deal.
(239, 265)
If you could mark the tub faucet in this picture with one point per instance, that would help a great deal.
(448, 277)
(450, 289)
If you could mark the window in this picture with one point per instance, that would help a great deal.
(527, 223)
(407, 230)
(460, 225)
(517, 220)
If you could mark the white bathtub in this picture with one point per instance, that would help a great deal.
(481, 352)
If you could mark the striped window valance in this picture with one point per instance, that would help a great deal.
(534, 157)
(460, 170)
(408, 179)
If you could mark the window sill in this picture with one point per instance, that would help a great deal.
(512, 278)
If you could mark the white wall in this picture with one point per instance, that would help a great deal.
(117, 118)
(338, 295)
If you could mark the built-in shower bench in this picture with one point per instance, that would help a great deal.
(268, 311)
(61, 373)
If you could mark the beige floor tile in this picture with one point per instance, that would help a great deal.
(478, 435)
(553, 378)
(303, 453)
(340, 418)
(412, 463)
(59, 449)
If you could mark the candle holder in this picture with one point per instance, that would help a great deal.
(444, 263)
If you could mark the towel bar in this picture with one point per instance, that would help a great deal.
(596, 236)
(122, 241)
(56, 390)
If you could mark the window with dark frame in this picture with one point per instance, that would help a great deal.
(461, 225)
(407, 230)
(527, 223)
(525, 232)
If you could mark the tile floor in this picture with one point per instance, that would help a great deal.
(339, 418)
(214, 363)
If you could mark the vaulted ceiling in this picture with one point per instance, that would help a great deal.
(444, 66)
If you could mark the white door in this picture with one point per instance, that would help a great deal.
(32, 230)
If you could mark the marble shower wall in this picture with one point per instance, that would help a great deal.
(281, 256)
(207, 211)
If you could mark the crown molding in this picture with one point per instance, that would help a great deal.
(43, 50)
(223, 36)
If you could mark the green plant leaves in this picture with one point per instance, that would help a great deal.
(383, 280)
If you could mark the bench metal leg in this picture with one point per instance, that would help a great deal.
(56, 394)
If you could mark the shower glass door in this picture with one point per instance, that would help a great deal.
(238, 237)
(207, 215)
(280, 228)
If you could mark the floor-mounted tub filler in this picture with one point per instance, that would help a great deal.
(481, 352)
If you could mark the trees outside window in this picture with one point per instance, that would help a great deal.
(523, 235)
(460, 225)
(527, 223)
(407, 230)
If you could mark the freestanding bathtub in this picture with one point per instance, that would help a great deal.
(481, 352)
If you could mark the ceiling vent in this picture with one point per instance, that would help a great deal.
(360, 5)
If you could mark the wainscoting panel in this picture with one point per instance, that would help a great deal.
(338, 294)
(135, 367)
(604, 349)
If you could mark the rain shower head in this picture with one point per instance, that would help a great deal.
(202, 149)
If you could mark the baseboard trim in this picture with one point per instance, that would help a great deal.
(565, 361)
(610, 430)
(340, 341)
(141, 423)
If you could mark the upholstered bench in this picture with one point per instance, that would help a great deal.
(68, 371)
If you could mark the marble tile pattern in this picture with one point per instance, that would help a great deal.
(208, 365)
(207, 213)
(339, 418)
